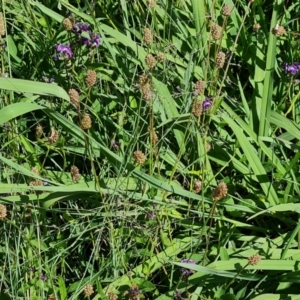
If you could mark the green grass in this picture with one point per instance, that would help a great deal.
(122, 225)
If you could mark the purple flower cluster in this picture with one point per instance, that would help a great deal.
(292, 69)
(206, 103)
(93, 40)
(83, 32)
(186, 272)
(64, 50)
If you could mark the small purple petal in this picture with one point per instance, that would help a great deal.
(43, 277)
(206, 104)
(64, 49)
(292, 69)
(186, 272)
(151, 215)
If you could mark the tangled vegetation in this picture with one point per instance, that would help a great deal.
(149, 149)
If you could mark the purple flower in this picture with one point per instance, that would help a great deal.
(186, 272)
(293, 69)
(43, 277)
(93, 40)
(80, 27)
(65, 50)
(206, 103)
(115, 144)
(151, 215)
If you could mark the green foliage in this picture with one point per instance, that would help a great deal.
(171, 176)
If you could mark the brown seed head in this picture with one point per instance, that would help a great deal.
(74, 97)
(68, 24)
(143, 80)
(88, 290)
(197, 186)
(254, 259)
(75, 173)
(139, 157)
(91, 78)
(148, 37)
(151, 3)
(226, 11)
(220, 191)
(197, 108)
(207, 146)
(3, 212)
(86, 122)
(134, 292)
(216, 31)
(35, 170)
(256, 27)
(199, 87)
(150, 61)
(53, 136)
(153, 136)
(36, 182)
(220, 60)
(112, 296)
(51, 297)
(39, 131)
(2, 25)
(161, 57)
(147, 92)
(278, 30)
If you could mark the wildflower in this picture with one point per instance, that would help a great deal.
(43, 277)
(256, 26)
(39, 131)
(35, 170)
(3, 212)
(147, 92)
(199, 87)
(86, 122)
(216, 32)
(74, 97)
(151, 215)
(80, 27)
(143, 80)
(206, 104)
(65, 50)
(278, 30)
(220, 191)
(91, 78)
(220, 60)
(197, 186)
(226, 11)
(75, 173)
(93, 40)
(186, 272)
(207, 146)
(88, 290)
(112, 296)
(53, 136)
(161, 56)
(52, 297)
(134, 292)
(148, 37)
(67, 23)
(150, 61)
(2, 25)
(139, 157)
(197, 108)
(254, 259)
(153, 136)
(292, 69)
